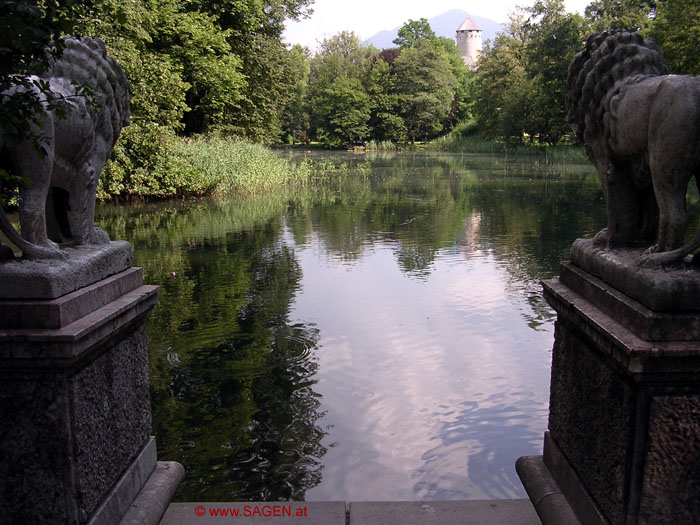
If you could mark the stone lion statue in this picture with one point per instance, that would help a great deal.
(641, 127)
(57, 197)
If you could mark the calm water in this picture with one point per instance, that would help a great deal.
(379, 337)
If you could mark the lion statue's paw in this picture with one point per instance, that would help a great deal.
(34, 251)
(99, 236)
(652, 259)
(601, 238)
(654, 248)
(649, 260)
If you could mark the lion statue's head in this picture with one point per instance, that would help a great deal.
(607, 61)
(84, 61)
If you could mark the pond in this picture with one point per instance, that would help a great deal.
(378, 336)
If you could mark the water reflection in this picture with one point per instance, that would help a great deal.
(231, 377)
(380, 337)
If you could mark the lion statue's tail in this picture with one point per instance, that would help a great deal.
(659, 259)
(30, 250)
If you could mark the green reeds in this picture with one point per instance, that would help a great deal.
(238, 167)
(231, 166)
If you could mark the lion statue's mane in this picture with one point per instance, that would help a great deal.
(641, 127)
(598, 72)
(58, 192)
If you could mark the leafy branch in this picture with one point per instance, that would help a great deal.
(30, 39)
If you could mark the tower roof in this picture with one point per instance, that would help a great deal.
(469, 25)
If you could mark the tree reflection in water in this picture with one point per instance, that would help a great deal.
(242, 414)
(231, 378)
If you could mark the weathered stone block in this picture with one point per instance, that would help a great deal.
(624, 411)
(76, 407)
(35, 443)
(671, 482)
(112, 417)
(660, 290)
(53, 278)
(591, 415)
(60, 312)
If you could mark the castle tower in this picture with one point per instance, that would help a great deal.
(469, 41)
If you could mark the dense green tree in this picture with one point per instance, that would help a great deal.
(200, 66)
(339, 69)
(628, 15)
(462, 108)
(677, 30)
(385, 121)
(130, 28)
(415, 31)
(229, 53)
(415, 92)
(341, 55)
(269, 72)
(345, 109)
(295, 118)
(143, 160)
(194, 41)
(190, 44)
(522, 74)
(503, 87)
(244, 17)
(254, 34)
(412, 31)
(426, 85)
(193, 67)
(553, 37)
(27, 28)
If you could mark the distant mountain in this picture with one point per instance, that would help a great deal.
(445, 24)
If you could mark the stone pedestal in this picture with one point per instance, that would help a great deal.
(75, 439)
(623, 444)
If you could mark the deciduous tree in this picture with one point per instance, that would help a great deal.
(339, 69)
(255, 36)
(553, 37)
(627, 15)
(503, 87)
(295, 118)
(343, 113)
(385, 120)
(426, 85)
(677, 30)
(412, 31)
(465, 90)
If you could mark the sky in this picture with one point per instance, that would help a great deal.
(368, 17)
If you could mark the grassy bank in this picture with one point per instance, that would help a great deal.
(473, 143)
(387, 145)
